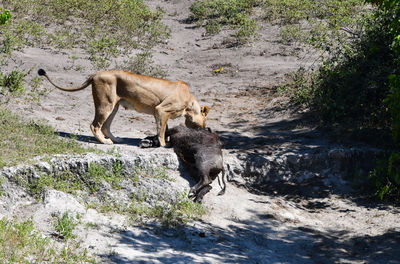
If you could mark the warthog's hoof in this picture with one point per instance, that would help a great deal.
(191, 194)
(150, 142)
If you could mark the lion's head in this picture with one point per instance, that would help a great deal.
(196, 120)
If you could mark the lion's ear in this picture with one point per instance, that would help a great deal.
(204, 110)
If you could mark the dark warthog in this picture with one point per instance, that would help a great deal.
(202, 151)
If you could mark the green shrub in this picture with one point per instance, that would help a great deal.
(112, 26)
(5, 15)
(13, 82)
(323, 24)
(299, 89)
(20, 141)
(37, 91)
(212, 27)
(98, 173)
(178, 212)
(349, 87)
(356, 89)
(21, 243)
(385, 178)
(143, 63)
(65, 226)
(287, 11)
(232, 13)
(247, 29)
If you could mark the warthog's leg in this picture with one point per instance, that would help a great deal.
(150, 142)
(106, 126)
(204, 180)
(203, 191)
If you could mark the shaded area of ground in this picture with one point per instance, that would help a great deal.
(268, 244)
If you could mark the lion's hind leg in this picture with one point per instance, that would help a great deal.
(103, 110)
(106, 126)
(99, 135)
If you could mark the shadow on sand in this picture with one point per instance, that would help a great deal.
(261, 240)
(91, 139)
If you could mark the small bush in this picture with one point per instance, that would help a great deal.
(351, 88)
(65, 226)
(98, 173)
(143, 63)
(355, 90)
(232, 13)
(37, 91)
(323, 24)
(20, 141)
(13, 83)
(247, 29)
(19, 242)
(385, 178)
(180, 211)
(348, 89)
(212, 27)
(299, 89)
(5, 15)
(112, 26)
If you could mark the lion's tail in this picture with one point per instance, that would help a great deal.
(89, 81)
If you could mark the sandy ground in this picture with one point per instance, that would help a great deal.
(241, 227)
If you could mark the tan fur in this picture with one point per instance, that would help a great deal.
(158, 97)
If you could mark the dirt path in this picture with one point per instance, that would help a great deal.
(246, 228)
(241, 227)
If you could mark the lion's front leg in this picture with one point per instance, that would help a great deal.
(161, 131)
(161, 121)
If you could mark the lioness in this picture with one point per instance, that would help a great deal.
(162, 98)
